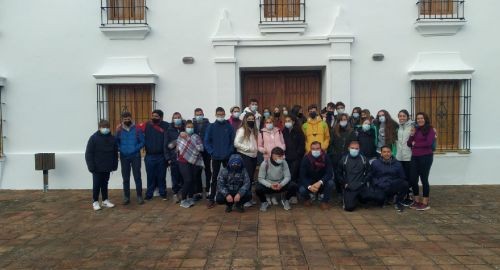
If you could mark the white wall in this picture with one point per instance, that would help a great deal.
(49, 51)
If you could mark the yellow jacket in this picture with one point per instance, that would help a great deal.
(316, 130)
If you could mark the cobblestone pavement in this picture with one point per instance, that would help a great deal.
(59, 230)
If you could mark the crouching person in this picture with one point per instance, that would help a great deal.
(316, 176)
(353, 172)
(389, 178)
(274, 177)
(101, 156)
(233, 185)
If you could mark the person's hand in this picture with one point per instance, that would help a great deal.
(237, 198)
(273, 186)
(183, 135)
(229, 198)
(278, 186)
(412, 132)
(317, 185)
(313, 189)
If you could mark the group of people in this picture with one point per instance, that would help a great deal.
(298, 155)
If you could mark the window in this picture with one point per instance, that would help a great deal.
(113, 99)
(123, 12)
(447, 102)
(440, 9)
(282, 11)
(1, 119)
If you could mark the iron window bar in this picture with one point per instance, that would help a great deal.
(441, 10)
(124, 12)
(282, 11)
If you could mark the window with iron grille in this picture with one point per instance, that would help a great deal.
(113, 99)
(1, 123)
(448, 104)
(282, 11)
(123, 12)
(440, 10)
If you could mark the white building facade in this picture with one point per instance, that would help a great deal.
(65, 64)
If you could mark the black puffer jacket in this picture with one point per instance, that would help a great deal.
(353, 171)
(101, 154)
(295, 143)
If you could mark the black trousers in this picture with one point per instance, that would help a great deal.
(198, 183)
(294, 165)
(188, 172)
(406, 167)
(290, 189)
(352, 197)
(250, 164)
(420, 167)
(100, 185)
(131, 163)
(398, 187)
(221, 199)
(216, 164)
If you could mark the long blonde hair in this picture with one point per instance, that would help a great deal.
(246, 129)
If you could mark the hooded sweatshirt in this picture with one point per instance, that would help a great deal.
(272, 173)
(232, 181)
(316, 130)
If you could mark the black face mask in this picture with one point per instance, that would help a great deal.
(155, 120)
(127, 123)
(313, 115)
(300, 115)
(276, 114)
(251, 124)
(329, 113)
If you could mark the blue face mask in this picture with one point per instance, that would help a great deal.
(189, 131)
(199, 118)
(354, 152)
(269, 126)
(381, 119)
(220, 119)
(366, 127)
(355, 115)
(177, 122)
(267, 114)
(288, 125)
(316, 153)
(253, 108)
(104, 131)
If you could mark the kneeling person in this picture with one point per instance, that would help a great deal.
(274, 177)
(233, 185)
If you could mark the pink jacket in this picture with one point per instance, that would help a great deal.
(268, 139)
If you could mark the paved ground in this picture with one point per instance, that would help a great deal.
(59, 230)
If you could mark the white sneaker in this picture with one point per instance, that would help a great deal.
(96, 206)
(185, 204)
(268, 199)
(274, 201)
(248, 204)
(263, 206)
(190, 201)
(294, 200)
(107, 204)
(176, 198)
(286, 205)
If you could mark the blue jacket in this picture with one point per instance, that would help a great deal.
(130, 142)
(219, 140)
(171, 136)
(385, 172)
(200, 128)
(310, 174)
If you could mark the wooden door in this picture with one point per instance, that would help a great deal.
(136, 99)
(282, 88)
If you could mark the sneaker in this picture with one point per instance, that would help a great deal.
(107, 204)
(312, 196)
(148, 198)
(414, 205)
(423, 207)
(248, 204)
(156, 193)
(229, 208)
(190, 201)
(321, 196)
(164, 198)
(140, 200)
(210, 204)
(197, 197)
(185, 204)
(399, 207)
(274, 201)
(239, 207)
(253, 202)
(176, 198)
(264, 206)
(96, 206)
(407, 202)
(126, 201)
(286, 205)
(268, 199)
(294, 200)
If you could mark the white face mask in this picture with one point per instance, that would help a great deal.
(279, 160)
(236, 114)
(340, 110)
(104, 131)
(288, 125)
(285, 113)
(343, 123)
(316, 153)
(253, 108)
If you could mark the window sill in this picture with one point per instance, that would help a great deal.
(439, 27)
(125, 31)
(282, 28)
(458, 153)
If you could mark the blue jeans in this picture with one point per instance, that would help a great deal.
(326, 189)
(134, 163)
(156, 171)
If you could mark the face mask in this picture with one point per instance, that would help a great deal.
(104, 131)
(313, 115)
(288, 125)
(285, 113)
(366, 127)
(235, 167)
(199, 118)
(381, 119)
(276, 114)
(177, 122)
(251, 124)
(343, 123)
(127, 123)
(253, 108)
(355, 115)
(354, 152)
(267, 114)
(316, 153)
(329, 113)
(278, 161)
(236, 114)
(155, 120)
(300, 115)
(340, 110)
(269, 126)
(189, 131)
(220, 119)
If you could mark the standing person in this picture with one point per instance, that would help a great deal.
(200, 127)
(341, 136)
(388, 177)
(403, 153)
(245, 143)
(316, 176)
(270, 137)
(340, 109)
(315, 129)
(355, 120)
(190, 162)
(253, 108)
(298, 114)
(421, 140)
(367, 140)
(330, 114)
(366, 114)
(354, 174)
(101, 156)
(285, 111)
(295, 149)
(387, 131)
(233, 185)
(219, 143)
(277, 118)
(234, 119)
(274, 177)
(130, 140)
(156, 164)
(177, 126)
